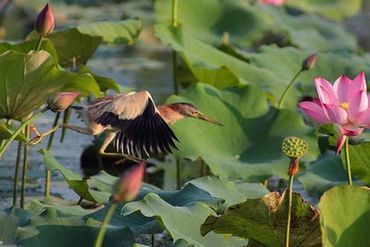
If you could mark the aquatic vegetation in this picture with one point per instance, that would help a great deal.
(264, 168)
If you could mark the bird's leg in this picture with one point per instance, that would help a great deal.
(107, 141)
(39, 136)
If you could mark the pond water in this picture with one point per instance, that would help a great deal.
(145, 65)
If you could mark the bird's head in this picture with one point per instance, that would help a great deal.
(189, 110)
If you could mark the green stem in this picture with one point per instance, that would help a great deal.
(66, 117)
(290, 198)
(175, 81)
(25, 166)
(348, 162)
(103, 228)
(174, 55)
(49, 146)
(175, 13)
(39, 42)
(16, 173)
(283, 96)
(20, 128)
(178, 174)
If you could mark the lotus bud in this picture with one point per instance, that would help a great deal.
(45, 21)
(309, 62)
(129, 184)
(61, 101)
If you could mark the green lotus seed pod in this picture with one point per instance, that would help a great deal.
(294, 147)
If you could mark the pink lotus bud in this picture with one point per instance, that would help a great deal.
(61, 101)
(45, 21)
(129, 185)
(272, 2)
(309, 62)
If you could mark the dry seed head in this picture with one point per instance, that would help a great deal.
(294, 147)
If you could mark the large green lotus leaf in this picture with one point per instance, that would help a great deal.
(264, 220)
(321, 175)
(360, 161)
(27, 46)
(260, 24)
(344, 216)
(182, 222)
(310, 32)
(248, 144)
(52, 229)
(232, 192)
(27, 80)
(72, 46)
(270, 57)
(333, 9)
(140, 224)
(221, 17)
(200, 57)
(75, 181)
(105, 83)
(79, 44)
(113, 32)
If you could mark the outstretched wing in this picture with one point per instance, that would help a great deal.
(142, 130)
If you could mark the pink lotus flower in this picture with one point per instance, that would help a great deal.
(129, 185)
(272, 2)
(45, 21)
(345, 104)
(61, 101)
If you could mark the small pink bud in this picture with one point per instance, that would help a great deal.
(272, 2)
(129, 185)
(45, 21)
(309, 62)
(61, 101)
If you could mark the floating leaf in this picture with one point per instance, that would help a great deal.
(232, 192)
(344, 216)
(181, 222)
(264, 220)
(334, 9)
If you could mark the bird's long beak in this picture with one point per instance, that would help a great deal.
(208, 119)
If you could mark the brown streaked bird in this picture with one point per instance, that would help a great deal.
(133, 122)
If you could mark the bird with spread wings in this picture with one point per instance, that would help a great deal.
(137, 127)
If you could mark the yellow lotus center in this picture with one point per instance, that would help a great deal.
(344, 105)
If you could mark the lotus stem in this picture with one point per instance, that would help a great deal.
(25, 165)
(178, 174)
(290, 199)
(66, 117)
(39, 42)
(16, 133)
(16, 173)
(348, 162)
(49, 146)
(103, 228)
(287, 89)
(175, 13)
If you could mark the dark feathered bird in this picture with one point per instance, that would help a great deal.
(133, 123)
